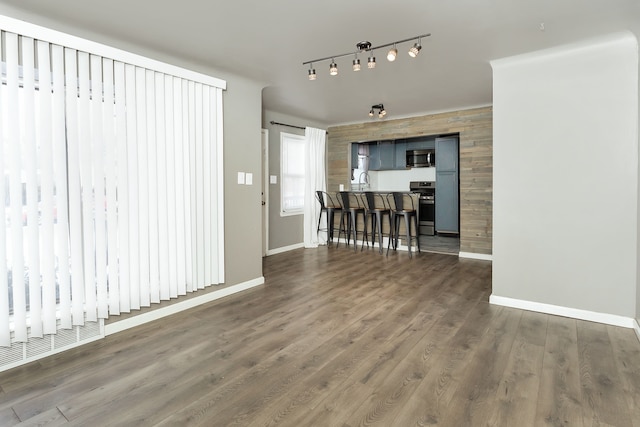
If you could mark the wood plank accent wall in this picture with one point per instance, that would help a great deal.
(475, 127)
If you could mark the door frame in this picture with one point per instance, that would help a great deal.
(265, 191)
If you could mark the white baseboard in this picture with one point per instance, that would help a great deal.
(284, 249)
(159, 313)
(574, 313)
(636, 327)
(472, 255)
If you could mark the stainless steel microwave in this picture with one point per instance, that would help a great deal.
(421, 158)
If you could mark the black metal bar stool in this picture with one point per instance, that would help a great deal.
(403, 206)
(351, 208)
(376, 208)
(329, 206)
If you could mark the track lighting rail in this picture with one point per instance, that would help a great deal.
(370, 48)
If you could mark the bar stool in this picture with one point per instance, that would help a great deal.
(376, 208)
(403, 206)
(351, 208)
(329, 206)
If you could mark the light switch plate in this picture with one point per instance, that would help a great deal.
(248, 178)
(240, 177)
(273, 179)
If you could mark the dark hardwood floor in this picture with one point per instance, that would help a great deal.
(337, 338)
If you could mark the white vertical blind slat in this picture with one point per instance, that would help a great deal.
(31, 165)
(152, 192)
(199, 185)
(132, 175)
(188, 196)
(5, 331)
(219, 191)
(161, 188)
(213, 115)
(47, 184)
(75, 203)
(206, 157)
(193, 177)
(143, 186)
(179, 142)
(122, 257)
(98, 156)
(171, 188)
(62, 199)
(87, 186)
(112, 298)
(15, 189)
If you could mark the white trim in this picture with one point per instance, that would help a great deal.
(472, 255)
(67, 40)
(285, 249)
(636, 327)
(574, 313)
(141, 319)
(265, 189)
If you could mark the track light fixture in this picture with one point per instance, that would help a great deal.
(333, 68)
(365, 46)
(312, 72)
(415, 49)
(371, 62)
(356, 64)
(393, 52)
(381, 111)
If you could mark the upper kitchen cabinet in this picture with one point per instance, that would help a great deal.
(400, 155)
(382, 156)
(447, 186)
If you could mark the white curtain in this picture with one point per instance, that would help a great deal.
(112, 186)
(315, 179)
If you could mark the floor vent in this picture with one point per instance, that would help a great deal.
(38, 348)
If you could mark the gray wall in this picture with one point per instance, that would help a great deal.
(553, 243)
(283, 230)
(242, 103)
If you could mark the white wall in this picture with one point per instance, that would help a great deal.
(565, 203)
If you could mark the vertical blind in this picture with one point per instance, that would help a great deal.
(111, 187)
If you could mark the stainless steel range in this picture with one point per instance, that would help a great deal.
(426, 191)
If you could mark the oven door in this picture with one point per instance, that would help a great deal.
(427, 215)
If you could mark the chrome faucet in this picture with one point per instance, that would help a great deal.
(362, 186)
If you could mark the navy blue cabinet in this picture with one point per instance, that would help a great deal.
(447, 186)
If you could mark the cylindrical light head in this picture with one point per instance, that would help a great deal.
(333, 68)
(371, 112)
(312, 74)
(393, 52)
(371, 62)
(415, 50)
(356, 64)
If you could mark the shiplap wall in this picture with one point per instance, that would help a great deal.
(476, 162)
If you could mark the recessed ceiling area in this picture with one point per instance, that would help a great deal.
(269, 41)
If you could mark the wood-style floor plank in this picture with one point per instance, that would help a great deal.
(342, 338)
(560, 380)
(603, 400)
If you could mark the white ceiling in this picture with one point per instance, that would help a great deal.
(269, 40)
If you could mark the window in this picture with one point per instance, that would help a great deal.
(292, 174)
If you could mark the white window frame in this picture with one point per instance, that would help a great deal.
(285, 139)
